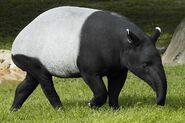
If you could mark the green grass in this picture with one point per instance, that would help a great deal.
(137, 102)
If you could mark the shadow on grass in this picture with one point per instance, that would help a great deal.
(130, 101)
(173, 103)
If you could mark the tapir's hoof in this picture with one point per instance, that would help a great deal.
(115, 108)
(160, 103)
(14, 109)
(59, 108)
(93, 105)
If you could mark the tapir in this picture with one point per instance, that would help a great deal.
(72, 42)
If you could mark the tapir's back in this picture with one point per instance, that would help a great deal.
(53, 38)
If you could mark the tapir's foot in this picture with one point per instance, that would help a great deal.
(59, 108)
(97, 102)
(114, 107)
(93, 104)
(114, 104)
(14, 109)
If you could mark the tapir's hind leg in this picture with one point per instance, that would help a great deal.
(36, 73)
(24, 89)
(47, 86)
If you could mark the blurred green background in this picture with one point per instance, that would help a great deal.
(167, 14)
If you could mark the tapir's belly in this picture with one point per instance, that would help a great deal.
(54, 39)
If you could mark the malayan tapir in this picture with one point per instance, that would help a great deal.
(70, 42)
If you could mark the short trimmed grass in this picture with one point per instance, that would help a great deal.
(137, 102)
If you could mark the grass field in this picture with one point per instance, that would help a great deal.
(137, 102)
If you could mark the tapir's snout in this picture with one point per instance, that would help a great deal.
(161, 93)
(156, 79)
(159, 84)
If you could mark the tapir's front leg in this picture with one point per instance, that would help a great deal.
(98, 88)
(115, 84)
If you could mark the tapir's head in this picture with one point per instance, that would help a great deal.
(141, 57)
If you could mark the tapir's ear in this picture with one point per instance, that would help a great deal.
(132, 38)
(156, 35)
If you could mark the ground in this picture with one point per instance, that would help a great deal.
(137, 102)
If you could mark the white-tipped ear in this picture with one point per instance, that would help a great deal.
(156, 35)
(127, 31)
(132, 38)
(129, 41)
(158, 28)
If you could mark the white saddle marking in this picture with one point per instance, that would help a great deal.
(54, 38)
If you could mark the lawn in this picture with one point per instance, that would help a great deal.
(137, 102)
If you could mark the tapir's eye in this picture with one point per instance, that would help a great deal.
(147, 64)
